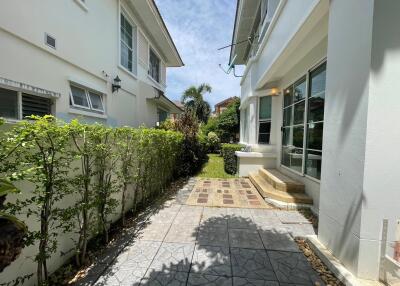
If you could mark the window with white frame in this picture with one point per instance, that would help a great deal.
(128, 44)
(264, 119)
(154, 65)
(86, 99)
(18, 105)
(303, 117)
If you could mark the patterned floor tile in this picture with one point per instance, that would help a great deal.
(239, 281)
(154, 232)
(173, 257)
(213, 260)
(293, 267)
(245, 238)
(210, 280)
(213, 236)
(251, 263)
(278, 239)
(171, 278)
(182, 233)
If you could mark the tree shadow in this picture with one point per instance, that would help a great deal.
(224, 249)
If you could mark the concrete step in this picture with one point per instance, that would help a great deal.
(280, 181)
(268, 191)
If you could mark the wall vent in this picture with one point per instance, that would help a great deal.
(50, 41)
(35, 105)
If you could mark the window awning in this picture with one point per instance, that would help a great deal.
(23, 87)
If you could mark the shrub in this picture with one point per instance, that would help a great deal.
(213, 142)
(230, 159)
(193, 154)
(43, 151)
(228, 122)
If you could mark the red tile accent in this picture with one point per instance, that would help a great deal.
(202, 201)
(252, 197)
(228, 202)
(227, 196)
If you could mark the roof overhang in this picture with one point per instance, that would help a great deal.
(157, 31)
(246, 12)
(164, 102)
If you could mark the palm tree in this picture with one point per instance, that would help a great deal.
(193, 100)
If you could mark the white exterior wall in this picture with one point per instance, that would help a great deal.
(87, 43)
(290, 52)
(360, 167)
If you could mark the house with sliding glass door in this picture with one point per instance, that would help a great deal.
(319, 84)
(105, 61)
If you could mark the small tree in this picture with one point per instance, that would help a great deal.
(83, 211)
(228, 122)
(105, 160)
(125, 152)
(41, 159)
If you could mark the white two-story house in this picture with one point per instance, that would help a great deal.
(318, 99)
(101, 61)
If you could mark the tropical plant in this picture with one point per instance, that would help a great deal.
(228, 122)
(213, 142)
(193, 155)
(193, 100)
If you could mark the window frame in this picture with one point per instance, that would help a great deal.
(305, 123)
(152, 50)
(87, 90)
(259, 121)
(135, 51)
(20, 93)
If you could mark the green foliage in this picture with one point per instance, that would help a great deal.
(230, 159)
(213, 142)
(228, 122)
(40, 158)
(89, 163)
(167, 125)
(211, 126)
(194, 101)
(193, 154)
(214, 168)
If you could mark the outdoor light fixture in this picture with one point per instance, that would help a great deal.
(117, 84)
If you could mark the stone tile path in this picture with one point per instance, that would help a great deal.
(229, 193)
(191, 245)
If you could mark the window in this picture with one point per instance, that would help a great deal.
(154, 66)
(87, 99)
(302, 132)
(162, 115)
(264, 119)
(128, 45)
(18, 105)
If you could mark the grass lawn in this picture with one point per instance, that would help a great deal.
(214, 168)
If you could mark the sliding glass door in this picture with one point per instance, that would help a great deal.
(303, 121)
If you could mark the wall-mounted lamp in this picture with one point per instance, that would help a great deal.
(117, 84)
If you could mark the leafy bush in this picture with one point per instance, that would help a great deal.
(230, 159)
(193, 154)
(90, 163)
(213, 142)
(211, 126)
(229, 122)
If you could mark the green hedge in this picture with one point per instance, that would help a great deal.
(230, 159)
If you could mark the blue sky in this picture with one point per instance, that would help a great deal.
(199, 28)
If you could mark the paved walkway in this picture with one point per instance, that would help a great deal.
(192, 245)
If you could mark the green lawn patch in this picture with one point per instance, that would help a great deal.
(214, 168)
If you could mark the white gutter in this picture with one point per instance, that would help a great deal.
(271, 26)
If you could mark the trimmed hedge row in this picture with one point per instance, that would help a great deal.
(230, 159)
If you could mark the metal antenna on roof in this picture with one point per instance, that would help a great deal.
(231, 67)
(234, 44)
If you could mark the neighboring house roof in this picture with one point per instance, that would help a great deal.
(225, 102)
(158, 31)
(179, 104)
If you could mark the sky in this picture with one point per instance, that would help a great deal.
(199, 28)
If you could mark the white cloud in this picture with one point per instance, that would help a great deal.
(199, 28)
